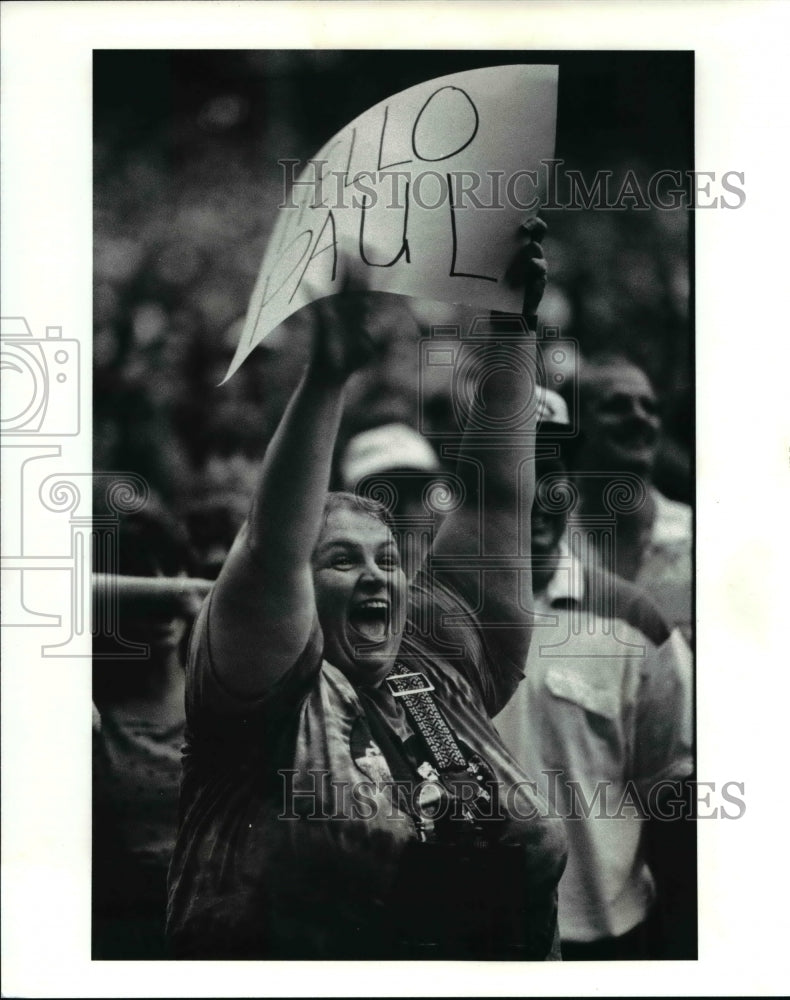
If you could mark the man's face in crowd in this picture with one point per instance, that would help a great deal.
(620, 419)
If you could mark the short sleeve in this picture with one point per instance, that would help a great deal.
(210, 702)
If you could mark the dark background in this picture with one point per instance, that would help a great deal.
(186, 187)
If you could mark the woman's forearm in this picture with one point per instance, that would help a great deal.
(483, 548)
(496, 455)
(504, 401)
(285, 519)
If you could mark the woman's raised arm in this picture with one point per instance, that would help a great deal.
(483, 548)
(263, 606)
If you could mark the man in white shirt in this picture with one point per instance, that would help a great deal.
(603, 724)
(613, 461)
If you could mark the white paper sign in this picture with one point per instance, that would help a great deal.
(420, 195)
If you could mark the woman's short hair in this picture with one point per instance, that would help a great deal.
(344, 500)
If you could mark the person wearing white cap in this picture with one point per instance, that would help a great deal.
(603, 720)
(384, 448)
(396, 461)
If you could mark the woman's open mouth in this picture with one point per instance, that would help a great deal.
(370, 618)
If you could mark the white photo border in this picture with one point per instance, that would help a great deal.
(743, 443)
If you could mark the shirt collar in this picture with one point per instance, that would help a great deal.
(671, 522)
(567, 584)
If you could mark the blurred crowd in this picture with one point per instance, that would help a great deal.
(186, 193)
(183, 210)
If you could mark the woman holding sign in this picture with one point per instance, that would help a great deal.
(345, 793)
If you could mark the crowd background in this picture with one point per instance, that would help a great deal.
(186, 188)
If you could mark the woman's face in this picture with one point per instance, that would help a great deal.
(360, 591)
